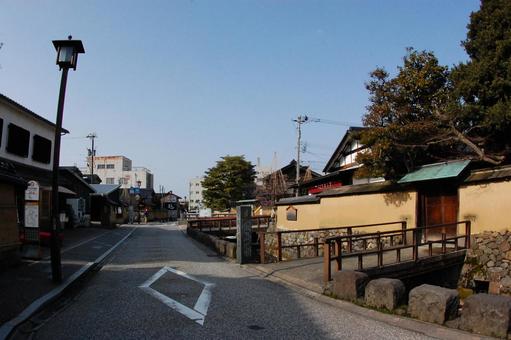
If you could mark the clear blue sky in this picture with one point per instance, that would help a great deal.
(174, 85)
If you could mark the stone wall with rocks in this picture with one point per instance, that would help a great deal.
(489, 259)
(221, 246)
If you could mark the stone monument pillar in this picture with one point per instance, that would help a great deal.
(243, 234)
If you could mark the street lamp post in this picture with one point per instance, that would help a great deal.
(67, 57)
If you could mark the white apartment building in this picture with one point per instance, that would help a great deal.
(119, 170)
(195, 194)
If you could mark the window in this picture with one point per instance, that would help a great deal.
(18, 140)
(110, 180)
(101, 166)
(41, 149)
(110, 166)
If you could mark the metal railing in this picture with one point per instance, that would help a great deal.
(227, 223)
(316, 240)
(338, 243)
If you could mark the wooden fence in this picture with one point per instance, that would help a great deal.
(316, 240)
(226, 223)
(381, 238)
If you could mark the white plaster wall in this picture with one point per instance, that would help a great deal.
(11, 114)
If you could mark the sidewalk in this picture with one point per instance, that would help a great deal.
(26, 287)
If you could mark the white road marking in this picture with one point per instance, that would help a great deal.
(199, 311)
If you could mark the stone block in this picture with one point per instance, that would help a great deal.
(191, 232)
(349, 284)
(230, 250)
(220, 246)
(387, 293)
(210, 240)
(486, 314)
(433, 304)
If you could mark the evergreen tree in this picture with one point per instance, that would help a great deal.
(403, 130)
(231, 180)
(428, 113)
(482, 86)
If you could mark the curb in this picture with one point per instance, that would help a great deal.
(317, 289)
(7, 328)
(417, 326)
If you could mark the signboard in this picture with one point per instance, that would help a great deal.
(32, 192)
(325, 186)
(32, 205)
(31, 215)
(134, 191)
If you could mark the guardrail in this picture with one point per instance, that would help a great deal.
(336, 243)
(316, 241)
(226, 223)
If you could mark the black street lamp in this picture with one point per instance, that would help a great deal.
(67, 57)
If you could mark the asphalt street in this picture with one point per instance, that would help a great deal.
(159, 284)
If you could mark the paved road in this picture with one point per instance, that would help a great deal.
(112, 305)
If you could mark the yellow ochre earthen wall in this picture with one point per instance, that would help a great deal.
(369, 209)
(487, 205)
(307, 217)
(354, 210)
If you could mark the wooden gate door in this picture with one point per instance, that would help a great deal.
(440, 207)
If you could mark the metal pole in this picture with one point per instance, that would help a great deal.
(56, 268)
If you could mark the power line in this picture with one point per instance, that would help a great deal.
(329, 121)
(81, 137)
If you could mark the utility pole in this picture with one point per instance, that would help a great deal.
(92, 136)
(299, 121)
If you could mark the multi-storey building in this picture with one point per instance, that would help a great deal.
(119, 170)
(195, 194)
(342, 165)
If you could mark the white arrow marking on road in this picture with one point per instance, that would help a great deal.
(199, 311)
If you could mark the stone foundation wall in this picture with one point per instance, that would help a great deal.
(489, 259)
(222, 247)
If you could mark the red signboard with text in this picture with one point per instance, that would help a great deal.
(325, 186)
